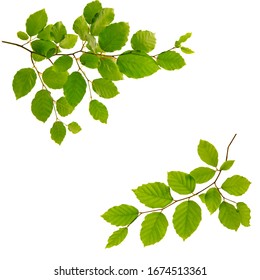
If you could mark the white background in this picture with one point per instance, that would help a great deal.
(52, 196)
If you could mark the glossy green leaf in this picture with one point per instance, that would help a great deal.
(45, 34)
(154, 195)
(236, 185)
(208, 153)
(91, 10)
(117, 237)
(186, 218)
(98, 111)
(58, 32)
(227, 165)
(114, 36)
(108, 69)
(153, 228)
(105, 88)
(63, 63)
(36, 22)
(229, 216)
(143, 41)
(103, 19)
(89, 60)
(181, 182)
(187, 50)
(63, 107)
(170, 60)
(54, 79)
(22, 35)
(42, 105)
(74, 127)
(182, 39)
(81, 27)
(244, 213)
(202, 174)
(75, 88)
(23, 82)
(43, 47)
(69, 41)
(212, 199)
(121, 215)
(58, 132)
(137, 64)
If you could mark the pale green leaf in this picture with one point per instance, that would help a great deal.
(244, 213)
(212, 199)
(43, 47)
(181, 182)
(69, 41)
(202, 174)
(208, 153)
(108, 69)
(227, 165)
(36, 22)
(105, 88)
(89, 60)
(74, 127)
(63, 63)
(98, 111)
(22, 35)
(58, 32)
(143, 40)
(229, 216)
(63, 107)
(103, 19)
(91, 10)
(183, 39)
(58, 132)
(54, 79)
(187, 50)
(202, 197)
(236, 185)
(117, 237)
(170, 60)
(42, 105)
(81, 27)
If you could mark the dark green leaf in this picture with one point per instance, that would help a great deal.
(236, 185)
(212, 199)
(208, 153)
(170, 60)
(117, 237)
(43, 47)
(105, 88)
(202, 174)
(187, 50)
(121, 215)
(153, 228)
(81, 28)
(63, 107)
(69, 41)
(22, 35)
(229, 216)
(136, 64)
(154, 195)
(91, 10)
(23, 82)
(89, 60)
(244, 213)
(58, 132)
(108, 69)
(186, 218)
(103, 19)
(63, 63)
(98, 111)
(45, 34)
(182, 39)
(143, 41)
(74, 127)
(181, 182)
(36, 22)
(54, 79)
(58, 32)
(227, 165)
(42, 105)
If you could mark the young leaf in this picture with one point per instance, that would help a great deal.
(143, 41)
(208, 153)
(42, 105)
(74, 127)
(58, 132)
(81, 28)
(154, 195)
(58, 32)
(181, 182)
(89, 60)
(114, 36)
(103, 19)
(227, 165)
(136, 64)
(153, 228)
(44, 48)
(212, 200)
(63, 107)
(117, 237)
(22, 35)
(69, 41)
(105, 88)
(187, 50)
(229, 216)
(202, 174)
(75, 88)
(36, 22)
(108, 69)
(170, 60)
(244, 213)
(63, 63)
(236, 185)
(54, 79)
(186, 218)
(23, 82)
(91, 10)
(121, 215)
(98, 111)
(182, 39)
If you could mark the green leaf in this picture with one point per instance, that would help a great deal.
(202, 174)
(45, 34)
(89, 60)
(75, 88)
(43, 47)
(181, 182)
(58, 132)
(186, 218)
(42, 105)
(103, 19)
(143, 41)
(121, 215)
(208, 153)
(105, 88)
(117, 237)
(74, 127)
(92, 44)
(22, 35)
(170, 60)
(23, 82)
(229, 216)
(153, 228)
(227, 165)
(91, 10)
(244, 213)
(81, 28)
(69, 41)
(182, 39)
(202, 197)
(236, 185)
(136, 64)
(114, 36)
(108, 69)
(63, 107)
(36, 22)
(212, 200)
(54, 79)
(37, 57)
(63, 63)
(187, 50)
(98, 111)
(58, 32)
(154, 195)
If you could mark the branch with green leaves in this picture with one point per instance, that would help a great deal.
(187, 214)
(66, 76)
